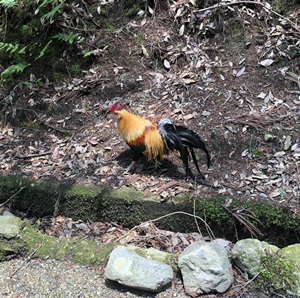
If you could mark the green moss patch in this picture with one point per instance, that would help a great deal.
(282, 269)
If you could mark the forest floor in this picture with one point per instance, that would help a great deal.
(234, 81)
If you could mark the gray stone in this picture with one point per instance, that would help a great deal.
(205, 268)
(10, 226)
(130, 269)
(247, 254)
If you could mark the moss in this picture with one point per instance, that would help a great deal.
(75, 69)
(279, 270)
(36, 197)
(82, 191)
(83, 251)
(15, 246)
(157, 255)
(90, 252)
(279, 221)
(42, 245)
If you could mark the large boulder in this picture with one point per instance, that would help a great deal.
(205, 268)
(130, 269)
(247, 254)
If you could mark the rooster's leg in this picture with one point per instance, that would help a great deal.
(157, 164)
(129, 168)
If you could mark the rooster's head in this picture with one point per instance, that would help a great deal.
(115, 107)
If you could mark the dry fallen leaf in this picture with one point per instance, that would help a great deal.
(241, 72)
(189, 81)
(167, 64)
(181, 30)
(145, 53)
(266, 62)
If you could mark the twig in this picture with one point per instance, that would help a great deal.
(194, 210)
(5, 26)
(247, 282)
(33, 155)
(248, 225)
(79, 29)
(89, 14)
(28, 258)
(165, 216)
(292, 91)
(196, 222)
(172, 288)
(8, 200)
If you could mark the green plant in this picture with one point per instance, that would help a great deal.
(29, 37)
(8, 3)
(281, 191)
(111, 28)
(15, 68)
(87, 54)
(140, 39)
(13, 52)
(49, 15)
(213, 132)
(255, 151)
(132, 11)
(69, 37)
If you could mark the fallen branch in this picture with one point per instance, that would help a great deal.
(33, 155)
(165, 216)
(28, 258)
(241, 218)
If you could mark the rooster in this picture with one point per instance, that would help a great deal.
(156, 140)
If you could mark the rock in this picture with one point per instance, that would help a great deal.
(10, 242)
(283, 269)
(128, 268)
(10, 226)
(223, 242)
(247, 254)
(205, 268)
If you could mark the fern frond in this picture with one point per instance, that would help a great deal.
(42, 52)
(52, 13)
(8, 47)
(67, 37)
(8, 3)
(15, 68)
(47, 2)
(23, 50)
(87, 54)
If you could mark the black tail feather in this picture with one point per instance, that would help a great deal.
(183, 140)
(173, 142)
(190, 139)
